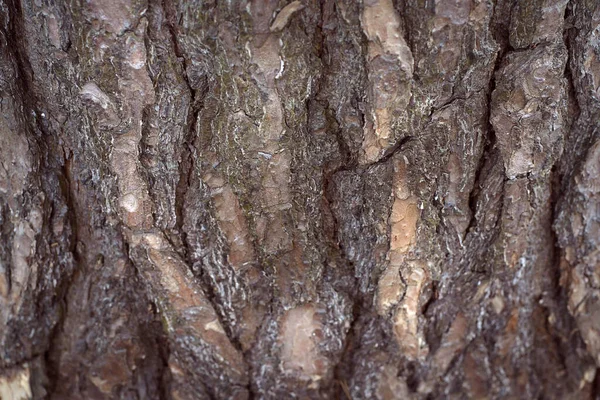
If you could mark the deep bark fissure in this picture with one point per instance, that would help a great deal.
(50, 356)
(400, 5)
(187, 168)
(39, 138)
(490, 138)
(347, 162)
(187, 158)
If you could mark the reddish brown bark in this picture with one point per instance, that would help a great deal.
(321, 199)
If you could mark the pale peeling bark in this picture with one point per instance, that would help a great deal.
(377, 199)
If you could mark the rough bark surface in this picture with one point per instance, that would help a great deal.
(377, 199)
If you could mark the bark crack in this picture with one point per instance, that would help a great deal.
(27, 98)
(187, 160)
(490, 139)
(52, 359)
(347, 162)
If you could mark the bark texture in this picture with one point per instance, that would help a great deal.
(377, 199)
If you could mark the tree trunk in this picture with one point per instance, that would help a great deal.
(386, 199)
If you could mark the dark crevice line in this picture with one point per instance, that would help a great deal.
(28, 101)
(328, 176)
(453, 98)
(347, 162)
(557, 177)
(186, 162)
(560, 186)
(391, 152)
(164, 344)
(595, 392)
(566, 171)
(556, 293)
(187, 157)
(159, 341)
(401, 6)
(490, 139)
(5, 238)
(68, 191)
(485, 174)
(210, 286)
(187, 168)
(579, 137)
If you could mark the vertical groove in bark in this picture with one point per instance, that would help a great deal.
(578, 196)
(41, 267)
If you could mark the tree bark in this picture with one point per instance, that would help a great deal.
(386, 199)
